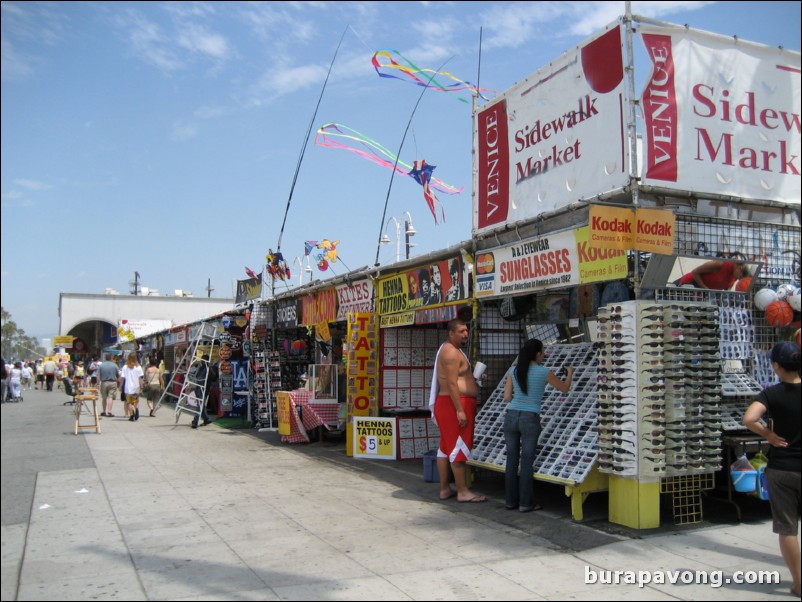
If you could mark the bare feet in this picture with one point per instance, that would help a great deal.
(471, 498)
(444, 495)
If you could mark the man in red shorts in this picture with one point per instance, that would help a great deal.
(454, 412)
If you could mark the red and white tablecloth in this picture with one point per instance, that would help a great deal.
(312, 415)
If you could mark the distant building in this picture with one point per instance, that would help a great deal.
(94, 318)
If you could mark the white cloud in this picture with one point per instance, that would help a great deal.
(279, 82)
(148, 42)
(183, 131)
(32, 184)
(26, 28)
(14, 64)
(209, 112)
(198, 40)
(174, 45)
(512, 25)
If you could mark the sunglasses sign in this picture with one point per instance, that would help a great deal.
(560, 260)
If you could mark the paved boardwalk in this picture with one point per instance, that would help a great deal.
(154, 511)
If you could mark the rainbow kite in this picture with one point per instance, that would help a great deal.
(422, 77)
(331, 133)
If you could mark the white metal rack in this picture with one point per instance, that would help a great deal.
(568, 444)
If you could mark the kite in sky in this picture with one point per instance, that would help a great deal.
(421, 77)
(250, 273)
(276, 266)
(423, 175)
(328, 252)
(330, 135)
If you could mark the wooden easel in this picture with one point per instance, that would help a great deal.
(87, 395)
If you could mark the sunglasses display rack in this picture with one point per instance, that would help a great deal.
(568, 444)
(659, 389)
(618, 389)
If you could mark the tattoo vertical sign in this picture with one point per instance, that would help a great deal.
(362, 371)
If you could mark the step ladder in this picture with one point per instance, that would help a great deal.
(191, 398)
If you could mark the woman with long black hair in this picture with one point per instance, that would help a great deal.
(526, 383)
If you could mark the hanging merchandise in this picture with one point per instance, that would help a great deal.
(761, 484)
(743, 475)
(276, 266)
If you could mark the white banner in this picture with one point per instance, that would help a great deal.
(721, 116)
(525, 267)
(354, 298)
(128, 330)
(555, 138)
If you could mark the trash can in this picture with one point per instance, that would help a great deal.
(430, 474)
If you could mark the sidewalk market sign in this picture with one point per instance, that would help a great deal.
(556, 137)
(721, 115)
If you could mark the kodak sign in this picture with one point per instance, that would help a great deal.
(649, 230)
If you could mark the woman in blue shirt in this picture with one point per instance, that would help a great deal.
(524, 389)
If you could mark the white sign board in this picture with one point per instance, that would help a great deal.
(721, 116)
(555, 138)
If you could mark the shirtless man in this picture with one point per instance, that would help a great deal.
(454, 411)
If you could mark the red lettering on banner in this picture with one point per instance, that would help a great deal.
(660, 111)
(362, 343)
(535, 266)
(494, 165)
(361, 403)
(613, 225)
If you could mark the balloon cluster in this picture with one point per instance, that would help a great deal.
(779, 305)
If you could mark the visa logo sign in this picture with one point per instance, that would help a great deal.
(485, 286)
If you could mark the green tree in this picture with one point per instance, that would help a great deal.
(14, 342)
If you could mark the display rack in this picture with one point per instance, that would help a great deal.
(568, 444)
(660, 389)
(261, 394)
(408, 355)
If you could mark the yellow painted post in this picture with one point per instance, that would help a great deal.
(633, 503)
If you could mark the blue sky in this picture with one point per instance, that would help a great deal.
(162, 138)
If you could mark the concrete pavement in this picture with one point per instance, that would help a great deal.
(152, 510)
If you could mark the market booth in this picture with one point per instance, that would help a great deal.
(573, 211)
(414, 304)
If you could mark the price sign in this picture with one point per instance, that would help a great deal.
(374, 438)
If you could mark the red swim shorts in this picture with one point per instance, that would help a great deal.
(456, 442)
